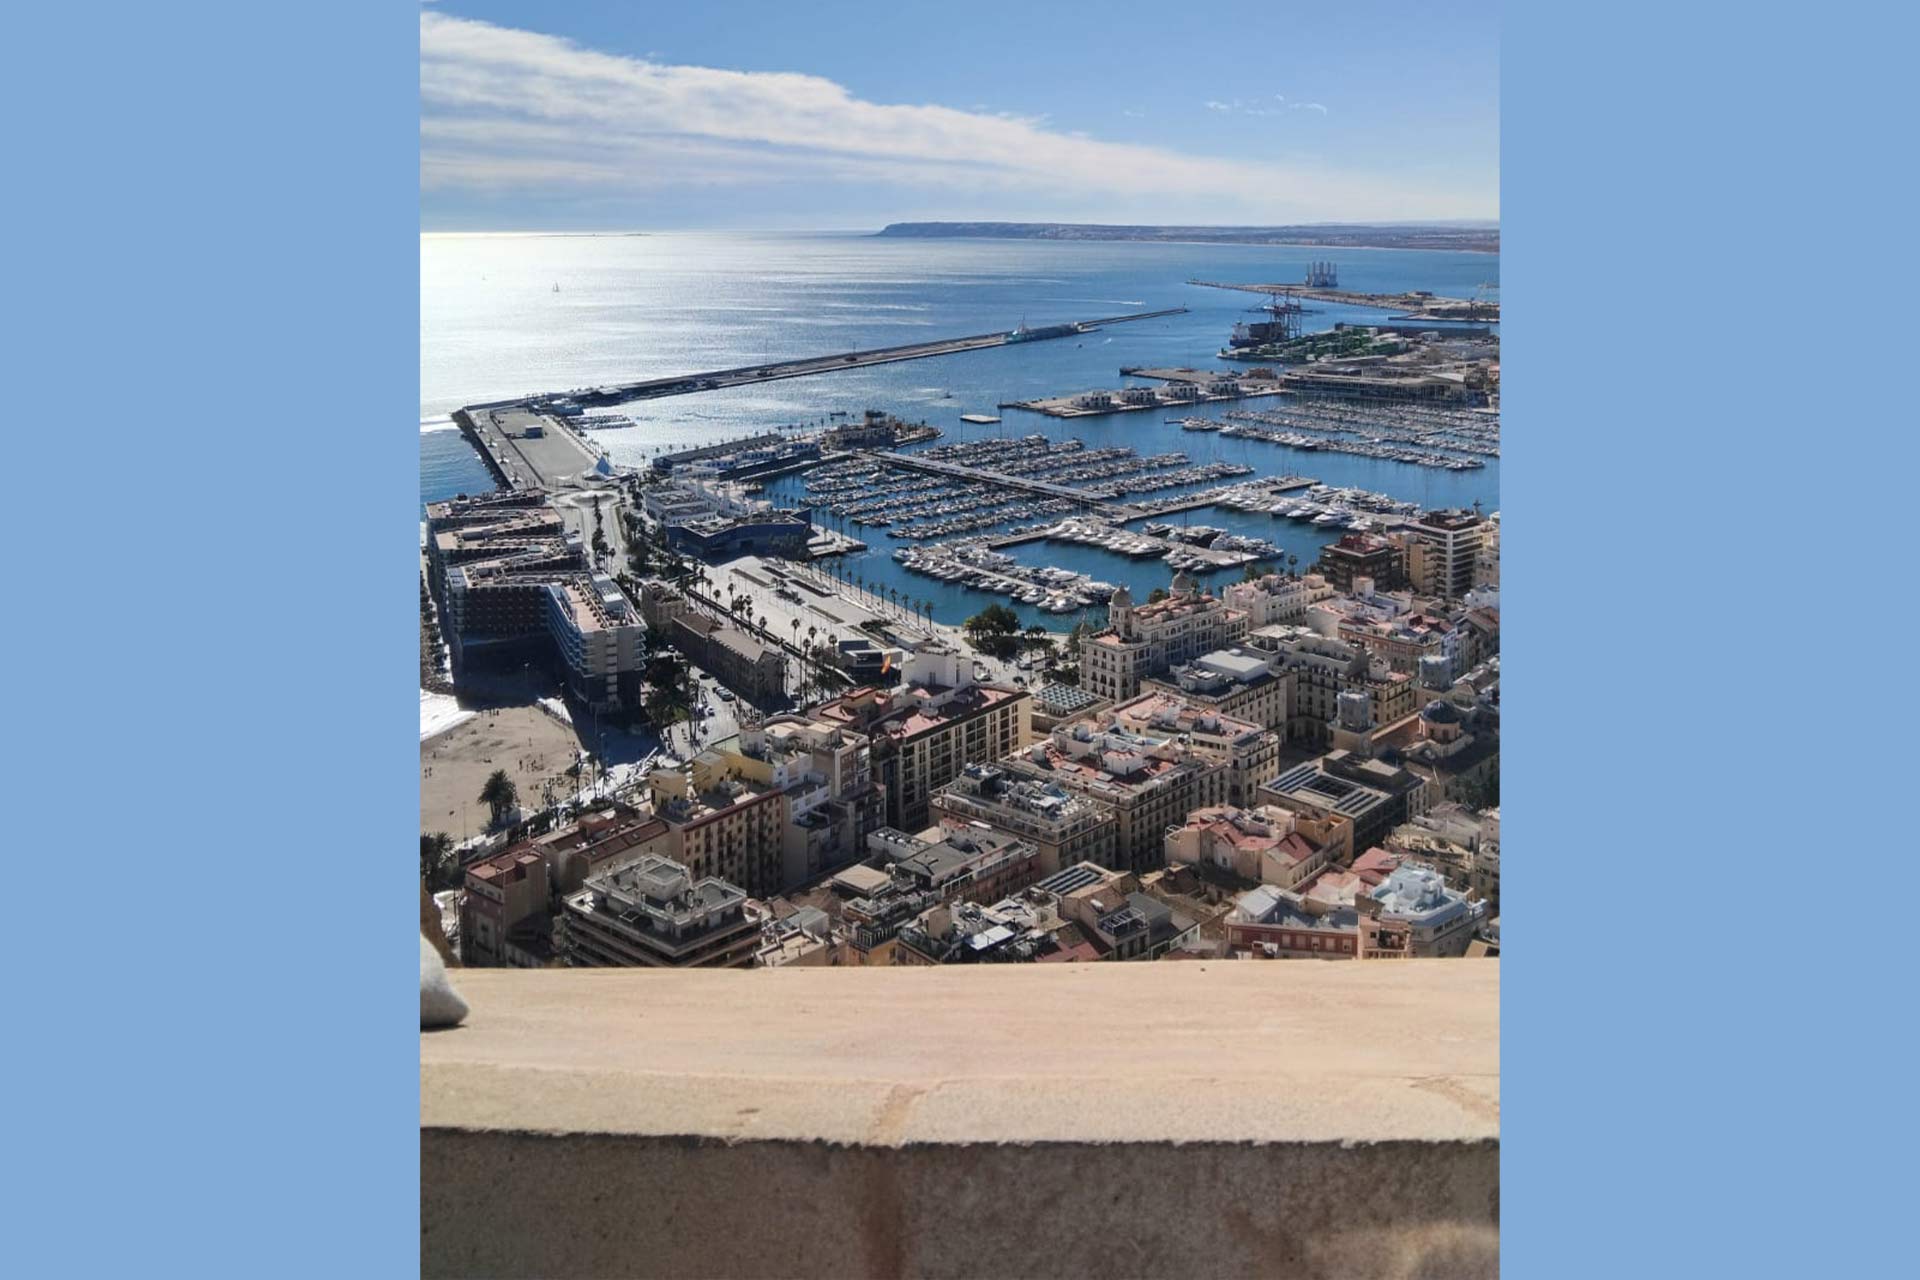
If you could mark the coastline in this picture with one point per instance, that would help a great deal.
(1303, 240)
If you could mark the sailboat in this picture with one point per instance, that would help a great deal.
(556, 286)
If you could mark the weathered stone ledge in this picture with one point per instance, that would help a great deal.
(1299, 1119)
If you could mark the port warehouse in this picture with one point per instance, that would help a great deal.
(513, 586)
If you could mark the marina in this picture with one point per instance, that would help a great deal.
(960, 289)
(961, 488)
(1449, 439)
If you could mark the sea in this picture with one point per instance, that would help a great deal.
(506, 315)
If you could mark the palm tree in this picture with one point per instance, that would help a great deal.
(499, 795)
(1293, 562)
(436, 852)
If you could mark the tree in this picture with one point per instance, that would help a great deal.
(499, 795)
(1255, 571)
(993, 630)
(1156, 595)
(1293, 563)
(436, 858)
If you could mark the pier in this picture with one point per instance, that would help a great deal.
(774, 370)
(1415, 306)
(955, 471)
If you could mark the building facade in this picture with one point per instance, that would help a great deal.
(1442, 920)
(1249, 752)
(1144, 640)
(505, 913)
(1240, 683)
(720, 826)
(1265, 844)
(1277, 924)
(1364, 556)
(923, 734)
(1150, 782)
(1374, 796)
(654, 914)
(1443, 551)
(511, 584)
(1322, 669)
(824, 771)
(1063, 826)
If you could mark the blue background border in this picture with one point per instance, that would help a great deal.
(217, 1052)
(218, 1056)
(1702, 772)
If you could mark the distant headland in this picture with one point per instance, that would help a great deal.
(1468, 236)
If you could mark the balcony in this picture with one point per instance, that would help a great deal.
(1194, 1118)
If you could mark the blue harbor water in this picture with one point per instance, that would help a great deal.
(493, 325)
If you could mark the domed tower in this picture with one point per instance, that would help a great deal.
(1441, 722)
(1120, 611)
(1183, 584)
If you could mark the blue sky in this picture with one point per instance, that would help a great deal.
(601, 116)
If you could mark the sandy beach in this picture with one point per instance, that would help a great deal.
(526, 741)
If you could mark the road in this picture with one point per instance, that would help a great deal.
(837, 609)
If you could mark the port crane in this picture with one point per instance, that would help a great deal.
(1479, 295)
(1286, 313)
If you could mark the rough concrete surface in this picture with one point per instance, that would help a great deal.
(1282, 1119)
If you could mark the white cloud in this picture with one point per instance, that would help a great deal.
(1241, 107)
(501, 106)
(1307, 106)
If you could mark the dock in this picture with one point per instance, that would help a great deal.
(1273, 488)
(1185, 387)
(956, 471)
(774, 370)
(527, 450)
